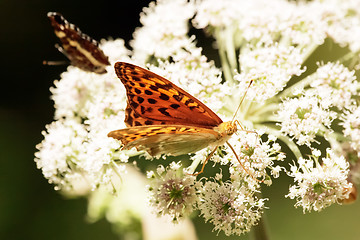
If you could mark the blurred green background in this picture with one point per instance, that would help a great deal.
(29, 207)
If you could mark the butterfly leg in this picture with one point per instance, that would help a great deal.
(206, 160)
(54, 63)
(247, 131)
(237, 157)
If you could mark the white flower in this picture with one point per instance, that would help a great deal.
(301, 24)
(75, 92)
(270, 68)
(173, 193)
(60, 153)
(343, 22)
(319, 186)
(335, 84)
(216, 13)
(351, 124)
(164, 30)
(303, 118)
(230, 207)
(255, 157)
(115, 50)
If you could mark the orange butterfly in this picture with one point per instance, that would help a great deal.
(164, 119)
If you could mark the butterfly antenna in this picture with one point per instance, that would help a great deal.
(242, 99)
(54, 63)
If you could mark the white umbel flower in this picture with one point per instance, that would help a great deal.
(230, 207)
(320, 185)
(172, 192)
(303, 118)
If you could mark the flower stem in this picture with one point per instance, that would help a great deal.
(259, 231)
(227, 67)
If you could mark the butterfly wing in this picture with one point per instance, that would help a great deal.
(133, 119)
(156, 100)
(80, 49)
(166, 139)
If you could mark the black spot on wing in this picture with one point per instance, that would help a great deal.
(129, 120)
(138, 91)
(164, 97)
(148, 92)
(175, 106)
(140, 99)
(163, 86)
(148, 122)
(136, 78)
(134, 105)
(164, 112)
(187, 102)
(178, 97)
(152, 101)
(154, 88)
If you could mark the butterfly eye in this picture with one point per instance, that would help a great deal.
(230, 128)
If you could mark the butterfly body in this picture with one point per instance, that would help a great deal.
(82, 51)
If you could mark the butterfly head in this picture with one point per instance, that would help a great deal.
(228, 128)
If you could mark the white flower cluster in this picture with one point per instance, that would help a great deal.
(343, 20)
(351, 126)
(256, 157)
(76, 146)
(304, 117)
(320, 184)
(261, 21)
(164, 31)
(266, 43)
(270, 68)
(173, 192)
(232, 207)
(335, 85)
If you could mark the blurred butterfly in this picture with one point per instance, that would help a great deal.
(82, 51)
(162, 118)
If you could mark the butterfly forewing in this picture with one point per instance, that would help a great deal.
(169, 139)
(82, 51)
(156, 100)
(133, 119)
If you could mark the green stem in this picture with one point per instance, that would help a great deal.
(260, 231)
(346, 57)
(115, 167)
(230, 48)
(194, 165)
(309, 51)
(288, 92)
(224, 55)
(266, 109)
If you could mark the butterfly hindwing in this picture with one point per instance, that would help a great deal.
(82, 51)
(166, 139)
(154, 98)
